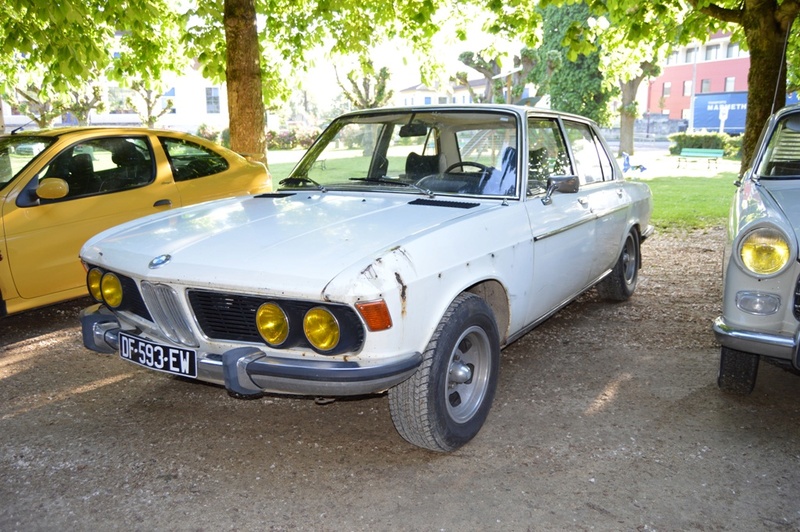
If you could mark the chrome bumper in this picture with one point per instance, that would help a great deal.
(250, 371)
(759, 343)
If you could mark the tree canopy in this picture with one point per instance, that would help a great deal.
(762, 25)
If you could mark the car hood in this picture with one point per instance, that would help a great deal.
(788, 200)
(294, 244)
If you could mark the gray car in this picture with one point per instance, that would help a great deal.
(761, 303)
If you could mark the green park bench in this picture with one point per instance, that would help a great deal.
(711, 155)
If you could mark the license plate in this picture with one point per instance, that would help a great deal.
(159, 357)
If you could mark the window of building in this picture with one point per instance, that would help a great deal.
(168, 101)
(733, 50)
(427, 100)
(691, 55)
(442, 99)
(666, 89)
(672, 59)
(712, 52)
(687, 88)
(120, 101)
(686, 114)
(730, 84)
(705, 85)
(212, 100)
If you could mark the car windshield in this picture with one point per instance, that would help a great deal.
(16, 152)
(442, 151)
(782, 157)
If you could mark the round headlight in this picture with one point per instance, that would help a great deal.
(111, 289)
(321, 329)
(272, 323)
(765, 251)
(93, 284)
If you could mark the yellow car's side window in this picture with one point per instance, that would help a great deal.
(100, 166)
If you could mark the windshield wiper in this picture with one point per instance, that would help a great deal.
(299, 180)
(385, 181)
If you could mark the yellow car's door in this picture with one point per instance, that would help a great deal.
(203, 174)
(109, 180)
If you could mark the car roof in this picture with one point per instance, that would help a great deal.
(519, 110)
(88, 131)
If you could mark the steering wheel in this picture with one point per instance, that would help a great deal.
(482, 167)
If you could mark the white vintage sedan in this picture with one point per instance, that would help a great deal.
(405, 249)
(761, 301)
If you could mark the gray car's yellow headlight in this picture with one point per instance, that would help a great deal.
(765, 251)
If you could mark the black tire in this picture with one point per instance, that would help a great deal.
(620, 284)
(737, 371)
(445, 403)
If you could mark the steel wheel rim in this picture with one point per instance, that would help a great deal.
(468, 375)
(629, 260)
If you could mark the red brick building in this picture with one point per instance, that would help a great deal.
(716, 66)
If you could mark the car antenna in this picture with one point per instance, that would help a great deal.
(780, 70)
(20, 128)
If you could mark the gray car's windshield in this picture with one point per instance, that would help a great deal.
(782, 157)
(16, 152)
(451, 152)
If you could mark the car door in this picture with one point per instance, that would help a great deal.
(563, 229)
(108, 185)
(202, 174)
(602, 191)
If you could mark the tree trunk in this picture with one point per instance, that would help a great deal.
(766, 79)
(627, 114)
(243, 77)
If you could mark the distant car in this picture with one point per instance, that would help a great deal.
(58, 187)
(402, 252)
(761, 291)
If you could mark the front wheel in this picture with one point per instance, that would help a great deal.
(445, 403)
(737, 371)
(620, 284)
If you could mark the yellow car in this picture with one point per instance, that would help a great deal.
(58, 187)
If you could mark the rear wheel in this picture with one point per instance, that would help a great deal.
(445, 403)
(737, 371)
(620, 284)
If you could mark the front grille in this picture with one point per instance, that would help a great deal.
(232, 317)
(226, 316)
(797, 299)
(165, 308)
(132, 299)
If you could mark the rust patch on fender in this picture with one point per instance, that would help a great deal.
(403, 290)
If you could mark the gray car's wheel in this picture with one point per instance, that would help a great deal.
(737, 371)
(620, 284)
(445, 403)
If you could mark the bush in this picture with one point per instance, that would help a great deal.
(714, 141)
(225, 137)
(306, 137)
(291, 138)
(207, 132)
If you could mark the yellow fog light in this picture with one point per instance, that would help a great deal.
(111, 289)
(765, 251)
(93, 284)
(321, 329)
(272, 323)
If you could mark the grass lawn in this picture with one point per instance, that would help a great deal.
(691, 202)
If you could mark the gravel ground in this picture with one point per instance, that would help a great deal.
(607, 418)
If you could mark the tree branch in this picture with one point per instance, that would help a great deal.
(721, 13)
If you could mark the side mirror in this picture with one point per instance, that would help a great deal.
(566, 184)
(52, 188)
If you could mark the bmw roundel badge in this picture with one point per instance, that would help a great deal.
(159, 261)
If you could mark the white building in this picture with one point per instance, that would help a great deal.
(195, 101)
